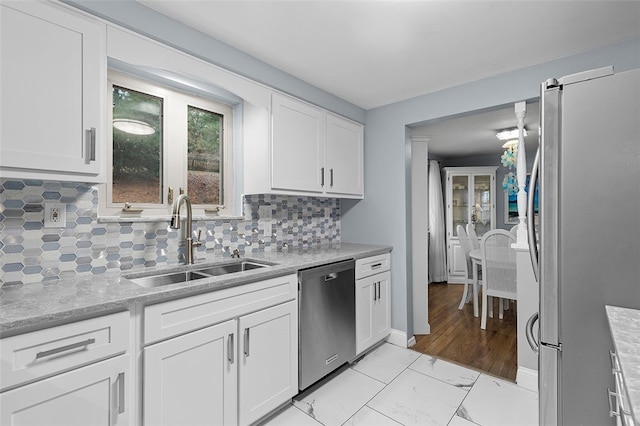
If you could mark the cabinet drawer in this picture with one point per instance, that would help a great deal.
(31, 356)
(372, 265)
(179, 316)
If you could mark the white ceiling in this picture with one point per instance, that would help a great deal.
(372, 53)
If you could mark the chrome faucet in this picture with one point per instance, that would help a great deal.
(175, 224)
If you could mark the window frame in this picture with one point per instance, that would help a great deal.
(174, 172)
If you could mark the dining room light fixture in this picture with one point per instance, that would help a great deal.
(510, 144)
(509, 134)
(134, 127)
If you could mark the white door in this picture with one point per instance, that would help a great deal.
(268, 354)
(97, 394)
(51, 88)
(344, 157)
(297, 145)
(191, 379)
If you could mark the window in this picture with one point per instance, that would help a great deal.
(164, 142)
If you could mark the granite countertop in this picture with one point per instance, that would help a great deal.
(625, 330)
(31, 306)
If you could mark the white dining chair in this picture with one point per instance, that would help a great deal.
(498, 268)
(473, 237)
(467, 294)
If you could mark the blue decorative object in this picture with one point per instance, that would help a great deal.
(510, 183)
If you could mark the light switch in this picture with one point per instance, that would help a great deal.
(55, 215)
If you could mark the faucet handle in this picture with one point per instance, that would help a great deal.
(197, 242)
(235, 253)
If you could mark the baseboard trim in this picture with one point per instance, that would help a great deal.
(399, 338)
(527, 378)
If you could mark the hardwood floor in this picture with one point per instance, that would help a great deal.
(456, 335)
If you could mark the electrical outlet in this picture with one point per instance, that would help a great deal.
(55, 215)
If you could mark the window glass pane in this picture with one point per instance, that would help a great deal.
(204, 184)
(460, 202)
(137, 147)
(482, 204)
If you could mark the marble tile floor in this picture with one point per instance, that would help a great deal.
(396, 386)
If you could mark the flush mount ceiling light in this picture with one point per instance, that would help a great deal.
(133, 127)
(506, 135)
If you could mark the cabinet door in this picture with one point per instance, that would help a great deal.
(456, 262)
(344, 157)
(52, 88)
(268, 354)
(97, 394)
(373, 310)
(191, 379)
(365, 293)
(297, 145)
(382, 307)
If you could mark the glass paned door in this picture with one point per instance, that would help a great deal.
(481, 213)
(459, 202)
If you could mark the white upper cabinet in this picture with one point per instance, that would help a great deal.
(345, 157)
(52, 71)
(297, 147)
(311, 152)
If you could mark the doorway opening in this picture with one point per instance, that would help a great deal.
(469, 140)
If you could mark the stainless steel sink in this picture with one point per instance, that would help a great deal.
(165, 279)
(231, 268)
(196, 272)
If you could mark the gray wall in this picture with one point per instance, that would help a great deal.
(384, 208)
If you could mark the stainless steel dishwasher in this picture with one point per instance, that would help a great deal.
(327, 320)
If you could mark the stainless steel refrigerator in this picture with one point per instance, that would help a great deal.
(587, 254)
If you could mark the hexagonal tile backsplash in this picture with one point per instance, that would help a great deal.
(31, 253)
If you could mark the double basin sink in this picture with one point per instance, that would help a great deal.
(159, 279)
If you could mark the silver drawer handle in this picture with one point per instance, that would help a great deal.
(375, 266)
(65, 348)
(121, 393)
(615, 364)
(230, 352)
(612, 411)
(246, 342)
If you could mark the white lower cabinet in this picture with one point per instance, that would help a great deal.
(73, 374)
(91, 395)
(373, 307)
(192, 379)
(268, 357)
(237, 363)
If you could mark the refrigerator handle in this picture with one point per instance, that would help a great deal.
(531, 231)
(535, 346)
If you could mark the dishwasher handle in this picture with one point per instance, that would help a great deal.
(330, 277)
